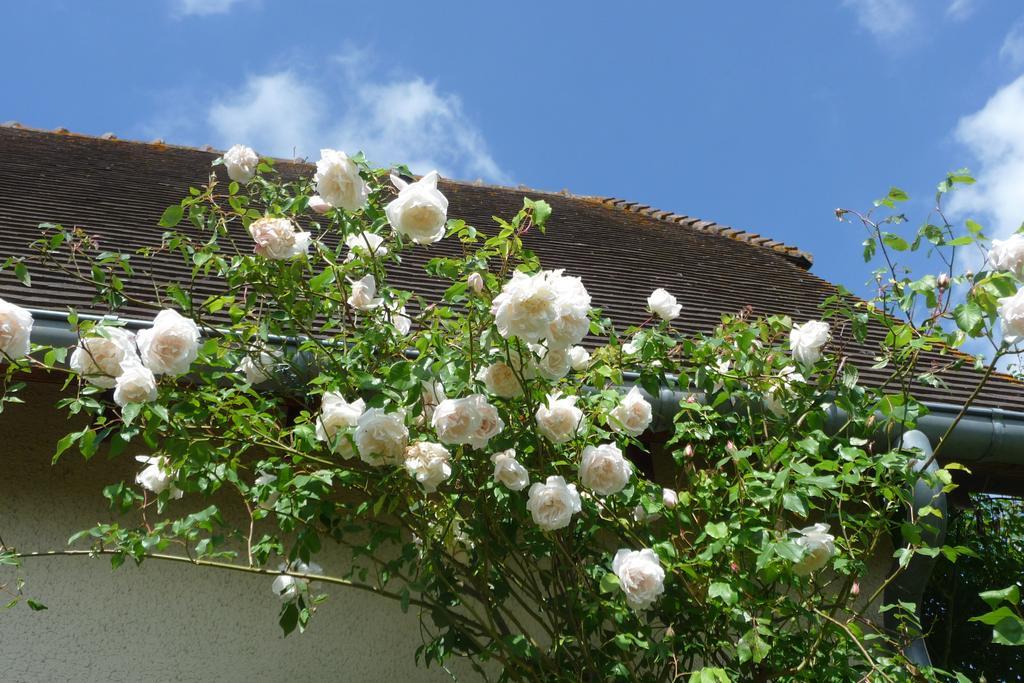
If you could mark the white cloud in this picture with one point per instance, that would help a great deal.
(888, 19)
(994, 137)
(959, 10)
(204, 7)
(883, 18)
(1012, 49)
(277, 114)
(407, 121)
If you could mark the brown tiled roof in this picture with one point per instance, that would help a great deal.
(117, 191)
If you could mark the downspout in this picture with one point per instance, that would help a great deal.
(909, 586)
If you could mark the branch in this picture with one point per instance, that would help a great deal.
(232, 567)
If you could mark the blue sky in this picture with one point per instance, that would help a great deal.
(764, 116)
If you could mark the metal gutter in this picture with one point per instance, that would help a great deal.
(981, 435)
(990, 435)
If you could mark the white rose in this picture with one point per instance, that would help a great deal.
(419, 211)
(781, 389)
(526, 306)
(272, 495)
(1011, 315)
(400, 321)
(806, 341)
(99, 358)
(640, 515)
(15, 329)
(155, 478)
(722, 369)
(553, 503)
(428, 463)
(170, 345)
(337, 415)
(278, 238)
(317, 203)
(135, 384)
(663, 304)
(641, 576)
(338, 181)
(256, 370)
(1008, 254)
(632, 346)
(818, 545)
(290, 588)
(364, 294)
(669, 498)
(633, 414)
(559, 419)
(500, 379)
(603, 470)
(509, 471)
(470, 420)
(546, 305)
(432, 393)
(554, 362)
(365, 244)
(241, 162)
(381, 437)
(579, 358)
(475, 282)
(572, 321)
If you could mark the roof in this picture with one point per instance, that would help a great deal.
(117, 190)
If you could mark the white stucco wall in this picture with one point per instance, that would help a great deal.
(166, 621)
(161, 621)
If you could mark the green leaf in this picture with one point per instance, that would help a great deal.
(716, 530)
(710, 674)
(894, 241)
(36, 606)
(752, 647)
(319, 282)
(64, 444)
(130, 412)
(898, 195)
(1009, 631)
(969, 317)
(793, 503)
(541, 213)
(723, 592)
(21, 272)
(609, 583)
(289, 618)
(788, 550)
(869, 249)
(995, 597)
(1007, 627)
(172, 216)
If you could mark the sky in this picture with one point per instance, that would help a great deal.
(762, 116)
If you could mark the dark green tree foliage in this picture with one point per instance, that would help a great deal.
(992, 527)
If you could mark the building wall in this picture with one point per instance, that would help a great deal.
(162, 621)
(166, 621)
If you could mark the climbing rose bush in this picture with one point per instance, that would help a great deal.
(552, 496)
